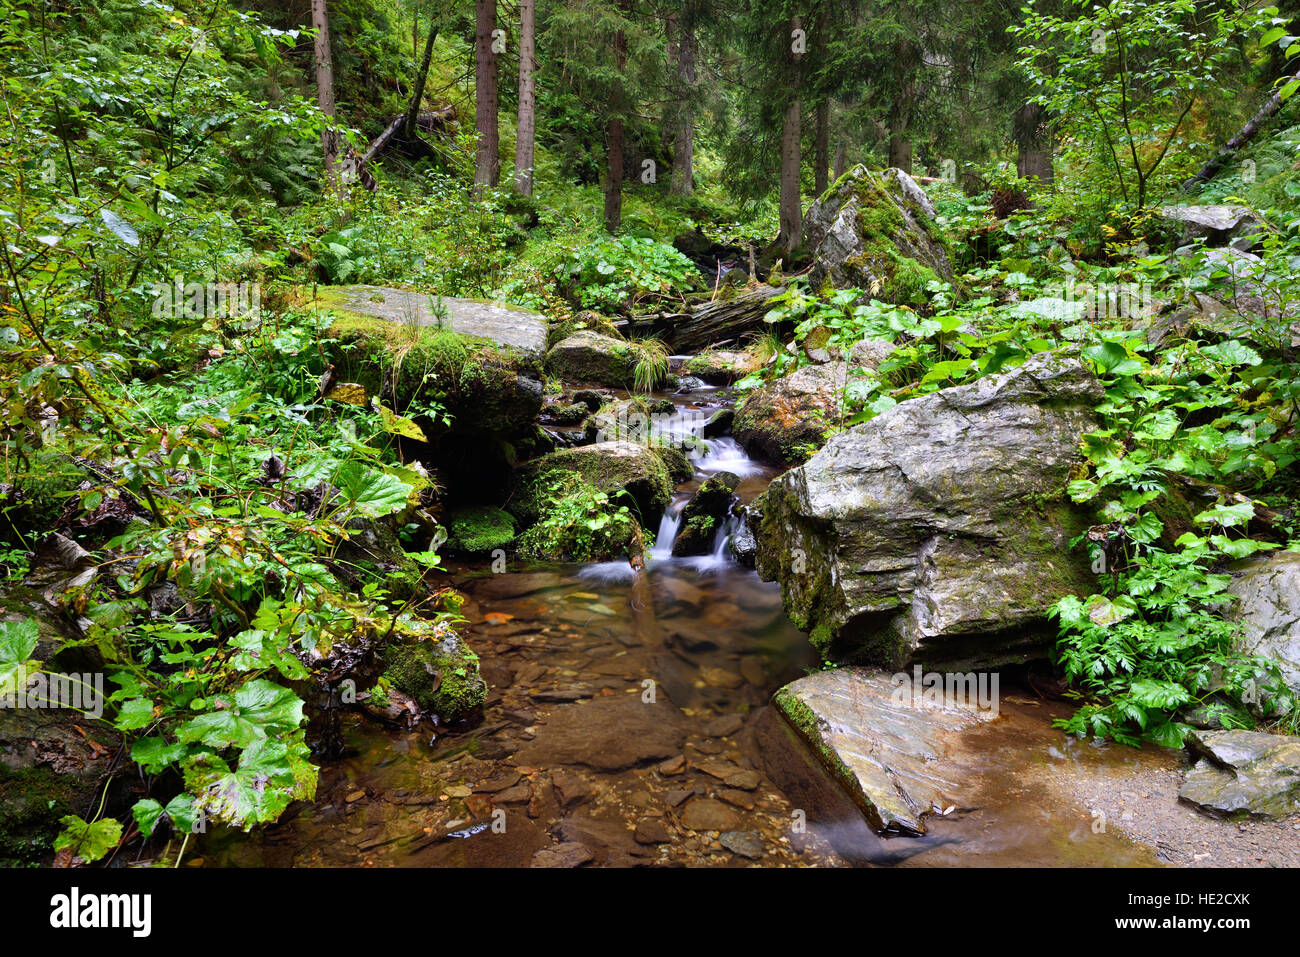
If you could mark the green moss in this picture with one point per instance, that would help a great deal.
(31, 802)
(480, 528)
(38, 496)
(441, 674)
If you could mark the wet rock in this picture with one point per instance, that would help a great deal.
(608, 734)
(1244, 772)
(946, 551)
(719, 423)
(567, 854)
(677, 796)
(706, 814)
(874, 230)
(570, 790)
(588, 356)
(745, 843)
(704, 514)
(438, 670)
(1219, 224)
(1268, 589)
(743, 546)
(724, 726)
(672, 766)
(783, 421)
(651, 830)
(887, 749)
(737, 798)
(500, 782)
(515, 795)
(611, 467)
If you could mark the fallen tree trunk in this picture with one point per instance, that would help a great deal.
(1246, 134)
(719, 320)
(429, 121)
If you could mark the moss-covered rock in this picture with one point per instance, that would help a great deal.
(704, 514)
(874, 231)
(576, 522)
(610, 467)
(591, 357)
(947, 551)
(786, 420)
(438, 671)
(479, 529)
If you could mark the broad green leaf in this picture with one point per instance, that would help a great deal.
(1233, 353)
(257, 711)
(370, 491)
(120, 227)
(17, 642)
(88, 841)
(135, 714)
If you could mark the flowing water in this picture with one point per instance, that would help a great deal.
(628, 722)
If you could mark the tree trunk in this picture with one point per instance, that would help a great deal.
(614, 146)
(417, 92)
(822, 150)
(320, 22)
(527, 99)
(900, 152)
(1033, 137)
(841, 155)
(487, 161)
(791, 203)
(683, 178)
(614, 176)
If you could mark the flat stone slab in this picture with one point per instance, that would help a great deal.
(511, 327)
(895, 754)
(1245, 772)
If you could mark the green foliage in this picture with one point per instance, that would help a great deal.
(616, 273)
(578, 523)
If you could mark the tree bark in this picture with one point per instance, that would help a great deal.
(822, 150)
(614, 175)
(720, 320)
(417, 92)
(527, 99)
(614, 146)
(320, 22)
(1244, 136)
(791, 203)
(682, 182)
(487, 161)
(841, 155)
(1033, 137)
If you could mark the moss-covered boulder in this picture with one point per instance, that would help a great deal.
(938, 533)
(588, 356)
(479, 529)
(723, 366)
(610, 467)
(575, 521)
(874, 231)
(52, 760)
(481, 362)
(437, 670)
(704, 514)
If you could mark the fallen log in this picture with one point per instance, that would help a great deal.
(1244, 136)
(718, 320)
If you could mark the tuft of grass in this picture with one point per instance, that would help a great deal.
(651, 364)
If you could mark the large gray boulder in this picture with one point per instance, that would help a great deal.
(1217, 223)
(1268, 608)
(1244, 772)
(938, 532)
(874, 231)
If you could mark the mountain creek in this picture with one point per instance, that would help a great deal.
(629, 722)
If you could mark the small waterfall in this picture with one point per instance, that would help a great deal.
(668, 528)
